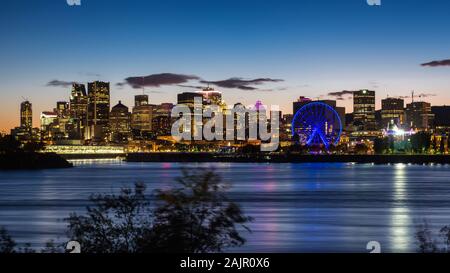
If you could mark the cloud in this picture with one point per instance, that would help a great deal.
(437, 63)
(421, 95)
(191, 86)
(340, 94)
(156, 80)
(90, 74)
(58, 83)
(240, 83)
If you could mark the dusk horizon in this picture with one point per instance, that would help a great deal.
(270, 51)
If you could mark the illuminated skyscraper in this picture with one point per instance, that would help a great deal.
(141, 118)
(62, 108)
(364, 110)
(419, 115)
(78, 108)
(140, 100)
(98, 109)
(392, 111)
(119, 121)
(26, 115)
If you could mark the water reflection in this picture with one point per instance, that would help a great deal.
(297, 207)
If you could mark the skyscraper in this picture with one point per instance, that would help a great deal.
(140, 100)
(392, 111)
(119, 121)
(141, 118)
(364, 110)
(419, 115)
(187, 98)
(78, 108)
(62, 109)
(26, 115)
(98, 109)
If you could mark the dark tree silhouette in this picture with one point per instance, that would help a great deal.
(195, 217)
(7, 244)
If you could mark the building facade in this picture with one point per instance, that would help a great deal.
(119, 122)
(392, 112)
(98, 110)
(364, 110)
(78, 109)
(419, 116)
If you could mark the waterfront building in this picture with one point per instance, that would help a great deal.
(26, 115)
(188, 98)
(78, 109)
(62, 109)
(98, 110)
(25, 132)
(419, 116)
(392, 112)
(441, 118)
(48, 121)
(364, 110)
(141, 118)
(119, 122)
(211, 96)
(140, 100)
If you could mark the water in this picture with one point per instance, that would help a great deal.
(296, 207)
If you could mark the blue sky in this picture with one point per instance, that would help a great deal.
(314, 46)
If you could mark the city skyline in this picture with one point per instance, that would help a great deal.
(273, 52)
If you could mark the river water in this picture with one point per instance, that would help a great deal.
(336, 207)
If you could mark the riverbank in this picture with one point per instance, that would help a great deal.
(286, 158)
(31, 160)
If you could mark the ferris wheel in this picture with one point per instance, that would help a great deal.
(317, 123)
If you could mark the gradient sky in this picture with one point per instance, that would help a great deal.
(315, 46)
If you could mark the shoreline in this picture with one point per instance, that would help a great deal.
(287, 158)
(32, 161)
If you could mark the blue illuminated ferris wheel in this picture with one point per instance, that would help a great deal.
(317, 123)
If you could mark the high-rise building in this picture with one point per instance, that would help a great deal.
(78, 108)
(187, 98)
(211, 96)
(140, 100)
(392, 111)
(26, 133)
(141, 118)
(48, 122)
(98, 110)
(26, 115)
(119, 121)
(62, 109)
(364, 110)
(419, 115)
(441, 116)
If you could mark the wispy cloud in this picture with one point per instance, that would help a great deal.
(240, 83)
(420, 95)
(340, 95)
(437, 63)
(59, 83)
(156, 80)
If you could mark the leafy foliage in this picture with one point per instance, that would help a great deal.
(195, 217)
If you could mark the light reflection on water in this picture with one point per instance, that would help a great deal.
(297, 207)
